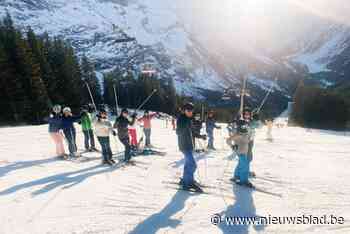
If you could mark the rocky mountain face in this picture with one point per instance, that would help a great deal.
(182, 41)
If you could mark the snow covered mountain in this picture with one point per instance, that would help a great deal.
(188, 40)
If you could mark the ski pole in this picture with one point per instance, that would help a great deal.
(116, 100)
(92, 98)
(146, 100)
(265, 98)
(242, 95)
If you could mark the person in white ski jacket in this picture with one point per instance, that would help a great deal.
(103, 128)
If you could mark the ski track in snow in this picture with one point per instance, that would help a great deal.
(39, 194)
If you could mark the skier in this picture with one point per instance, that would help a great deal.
(55, 127)
(133, 134)
(121, 124)
(210, 125)
(86, 125)
(146, 119)
(253, 123)
(102, 129)
(69, 130)
(184, 134)
(197, 124)
(241, 139)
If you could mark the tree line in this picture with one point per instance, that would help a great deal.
(37, 72)
(317, 107)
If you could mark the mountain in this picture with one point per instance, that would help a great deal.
(205, 47)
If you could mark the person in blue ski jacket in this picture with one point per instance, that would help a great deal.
(69, 130)
(210, 126)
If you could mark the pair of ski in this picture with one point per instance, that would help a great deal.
(206, 188)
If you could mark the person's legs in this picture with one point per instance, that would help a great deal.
(147, 132)
(86, 139)
(108, 148)
(238, 169)
(69, 137)
(250, 151)
(244, 172)
(125, 142)
(133, 136)
(55, 138)
(210, 140)
(92, 139)
(104, 149)
(189, 168)
(61, 150)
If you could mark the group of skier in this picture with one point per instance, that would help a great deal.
(188, 129)
(97, 123)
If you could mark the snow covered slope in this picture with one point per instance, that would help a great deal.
(303, 172)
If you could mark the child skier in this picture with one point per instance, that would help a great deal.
(102, 129)
(210, 125)
(197, 124)
(146, 119)
(253, 124)
(55, 127)
(133, 133)
(86, 125)
(69, 130)
(241, 139)
(185, 141)
(121, 124)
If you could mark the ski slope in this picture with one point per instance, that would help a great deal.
(301, 171)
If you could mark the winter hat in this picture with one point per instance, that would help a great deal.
(67, 110)
(57, 109)
(124, 110)
(242, 126)
(188, 106)
(146, 112)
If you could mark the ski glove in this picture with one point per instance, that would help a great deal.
(114, 133)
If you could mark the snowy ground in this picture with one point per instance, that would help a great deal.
(39, 194)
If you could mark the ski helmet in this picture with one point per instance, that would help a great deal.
(67, 110)
(242, 126)
(188, 106)
(57, 109)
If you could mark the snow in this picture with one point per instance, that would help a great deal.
(317, 59)
(39, 194)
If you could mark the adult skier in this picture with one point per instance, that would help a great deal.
(147, 126)
(241, 139)
(185, 142)
(69, 130)
(197, 125)
(55, 127)
(210, 126)
(86, 125)
(121, 124)
(102, 129)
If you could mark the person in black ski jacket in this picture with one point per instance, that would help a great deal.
(121, 124)
(185, 142)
